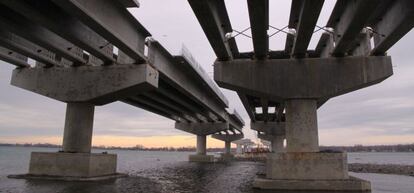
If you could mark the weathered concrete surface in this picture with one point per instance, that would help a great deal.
(301, 126)
(77, 136)
(302, 78)
(202, 128)
(307, 166)
(94, 84)
(228, 137)
(201, 144)
(276, 142)
(201, 158)
(345, 185)
(270, 127)
(82, 165)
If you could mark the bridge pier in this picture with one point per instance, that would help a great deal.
(75, 162)
(227, 138)
(303, 85)
(201, 152)
(81, 88)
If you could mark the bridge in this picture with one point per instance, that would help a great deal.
(86, 57)
(351, 54)
(95, 52)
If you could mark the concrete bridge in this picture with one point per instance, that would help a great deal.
(350, 55)
(87, 57)
(95, 52)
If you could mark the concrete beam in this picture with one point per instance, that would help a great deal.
(213, 18)
(325, 45)
(305, 78)
(247, 105)
(55, 19)
(270, 128)
(13, 57)
(113, 21)
(29, 30)
(259, 22)
(228, 138)
(347, 19)
(159, 57)
(308, 16)
(149, 108)
(393, 25)
(163, 108)
(202, 128)
(94, 84)
(172, 105)
(25, 47)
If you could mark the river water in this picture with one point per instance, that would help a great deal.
(167, 172)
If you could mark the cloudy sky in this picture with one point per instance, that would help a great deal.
(381, 114)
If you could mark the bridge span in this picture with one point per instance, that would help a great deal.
(89, 53)
(350, 55)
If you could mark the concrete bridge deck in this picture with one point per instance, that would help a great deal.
(294, 82)
(89, 53)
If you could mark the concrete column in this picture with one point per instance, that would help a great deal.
(201, 144)
(77, 135)
(301, 126)
(227, 145)
(277, 144)
(239, 149)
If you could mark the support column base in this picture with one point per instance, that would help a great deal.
(201, 158)
(351, 184)
(71, 166)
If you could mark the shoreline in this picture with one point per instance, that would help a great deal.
(405, 170)
(396, 169)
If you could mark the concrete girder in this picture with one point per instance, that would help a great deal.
(98, 85)
(27, 48)
(393, 25)
(13, 57)
(249, 108)
(167, 66)
(270, 128)
(149, 108)
(236, 121)
(176, 106)
(213, 18)
(163, 108)
(229, 137)
(111, 20)
(189, 105)
(348, 19)
(308, 16)
(265, 108)
(318, 78)
(362, 45)
(259, 22)
(187, 62)
(202, 128)
(325, 45)
(56, 20)
(40, 36)
(130, 3)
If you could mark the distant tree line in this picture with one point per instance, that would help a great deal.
(371, 148)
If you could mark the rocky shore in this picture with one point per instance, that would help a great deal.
(407, 170)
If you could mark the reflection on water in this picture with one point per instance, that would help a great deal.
(164, 172)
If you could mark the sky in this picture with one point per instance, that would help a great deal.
(380, 114)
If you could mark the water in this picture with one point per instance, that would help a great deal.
(165, 172)
(382, 158)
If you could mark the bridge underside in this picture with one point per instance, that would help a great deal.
(286, 87)
(84, 56)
